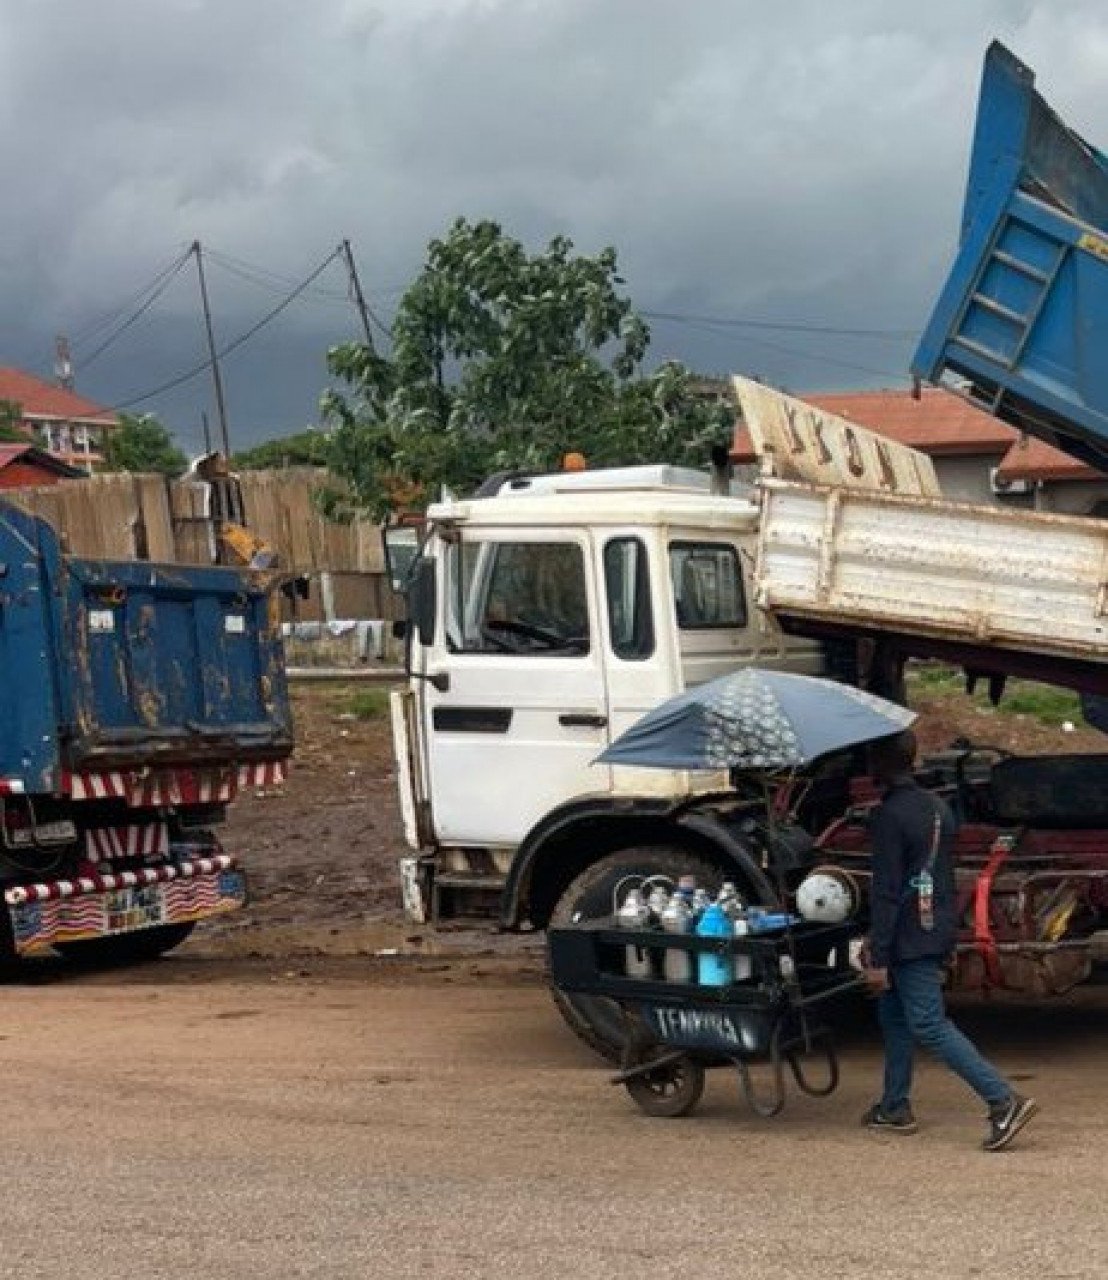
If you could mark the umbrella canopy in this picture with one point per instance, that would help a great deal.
(756, 719)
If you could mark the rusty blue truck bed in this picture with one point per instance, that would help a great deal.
(112, 664)
(1022, 320)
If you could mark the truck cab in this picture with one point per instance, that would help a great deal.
(548, 617)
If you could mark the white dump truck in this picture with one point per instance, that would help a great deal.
(549, 614)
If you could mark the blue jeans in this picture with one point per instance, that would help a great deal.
(911, 1012)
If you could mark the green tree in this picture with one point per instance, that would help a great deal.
(141, 443)
(11, 416)
(305, 449)
(504, 359)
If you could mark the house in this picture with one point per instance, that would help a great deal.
(24, 465)
(977, 457)
(55, 418)
(1059, 482)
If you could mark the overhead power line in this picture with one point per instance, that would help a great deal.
(272, 282)
(800, 352)
(138, 312)
(231, 346)
(784, 326)
(330, 297)
(264, 277)
(85, 332)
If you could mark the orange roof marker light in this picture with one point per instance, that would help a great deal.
(574, 462)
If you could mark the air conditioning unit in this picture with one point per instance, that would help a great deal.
(1007, 488)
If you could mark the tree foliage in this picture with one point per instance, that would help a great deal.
(141, 443)
(305, 449)
(500, 360)
(11, 419)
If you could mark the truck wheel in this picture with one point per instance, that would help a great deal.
(595, 1019)
(126, 948)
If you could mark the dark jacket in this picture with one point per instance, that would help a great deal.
(901, 831)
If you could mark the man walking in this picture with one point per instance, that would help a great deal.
(913, 929)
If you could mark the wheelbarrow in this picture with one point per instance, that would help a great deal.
(676, 1031)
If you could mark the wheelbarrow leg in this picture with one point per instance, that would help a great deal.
(776, 1101)
(822, 1041)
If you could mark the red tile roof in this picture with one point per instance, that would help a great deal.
(1033, 459)
(40, 399)
(939, 422)
(10, 453)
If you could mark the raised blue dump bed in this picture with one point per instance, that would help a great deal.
(1024, 314)
(116, 665)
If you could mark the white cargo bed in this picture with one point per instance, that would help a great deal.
(921, 566)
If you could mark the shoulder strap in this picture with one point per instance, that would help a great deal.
(936, 837)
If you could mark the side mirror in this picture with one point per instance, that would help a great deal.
(401, 542)
(421, 599)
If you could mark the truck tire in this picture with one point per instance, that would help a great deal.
(126, 948)
(595, 1019)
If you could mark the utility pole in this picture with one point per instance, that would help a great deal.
(207, 430)
(217, 379)
(356, 289)
(63, 363)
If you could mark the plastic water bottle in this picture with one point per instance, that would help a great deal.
(729, 900)
(657, 902)
(701, 901)
(686, 887)
(743, 964)
(677, 918)
(714, 970)
(635, 914)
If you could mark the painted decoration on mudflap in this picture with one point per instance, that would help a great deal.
(38, 924)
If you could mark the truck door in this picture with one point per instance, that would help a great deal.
(524, 711)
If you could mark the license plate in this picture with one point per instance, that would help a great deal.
(134, 908)
(61, 832)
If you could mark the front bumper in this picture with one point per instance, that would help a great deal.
(61, 911)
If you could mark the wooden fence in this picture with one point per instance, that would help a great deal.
(147, 517)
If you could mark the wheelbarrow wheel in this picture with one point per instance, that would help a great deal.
(670, 1091)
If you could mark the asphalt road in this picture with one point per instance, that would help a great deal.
(237, 1120)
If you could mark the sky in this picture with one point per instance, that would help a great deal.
(800, 162)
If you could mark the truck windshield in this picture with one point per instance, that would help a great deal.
(523, 598)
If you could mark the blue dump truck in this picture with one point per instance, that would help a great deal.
(138, 699)
(1022, 321)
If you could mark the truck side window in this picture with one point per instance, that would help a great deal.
(523, 598)
(707, 585)
(627, 584)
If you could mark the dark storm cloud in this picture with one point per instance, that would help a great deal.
(800, 161)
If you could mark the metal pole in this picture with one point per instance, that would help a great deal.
(63, 362)
(207, 430)
(356, 288)
(217, 379)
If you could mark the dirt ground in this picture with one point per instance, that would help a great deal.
(389, 1121)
